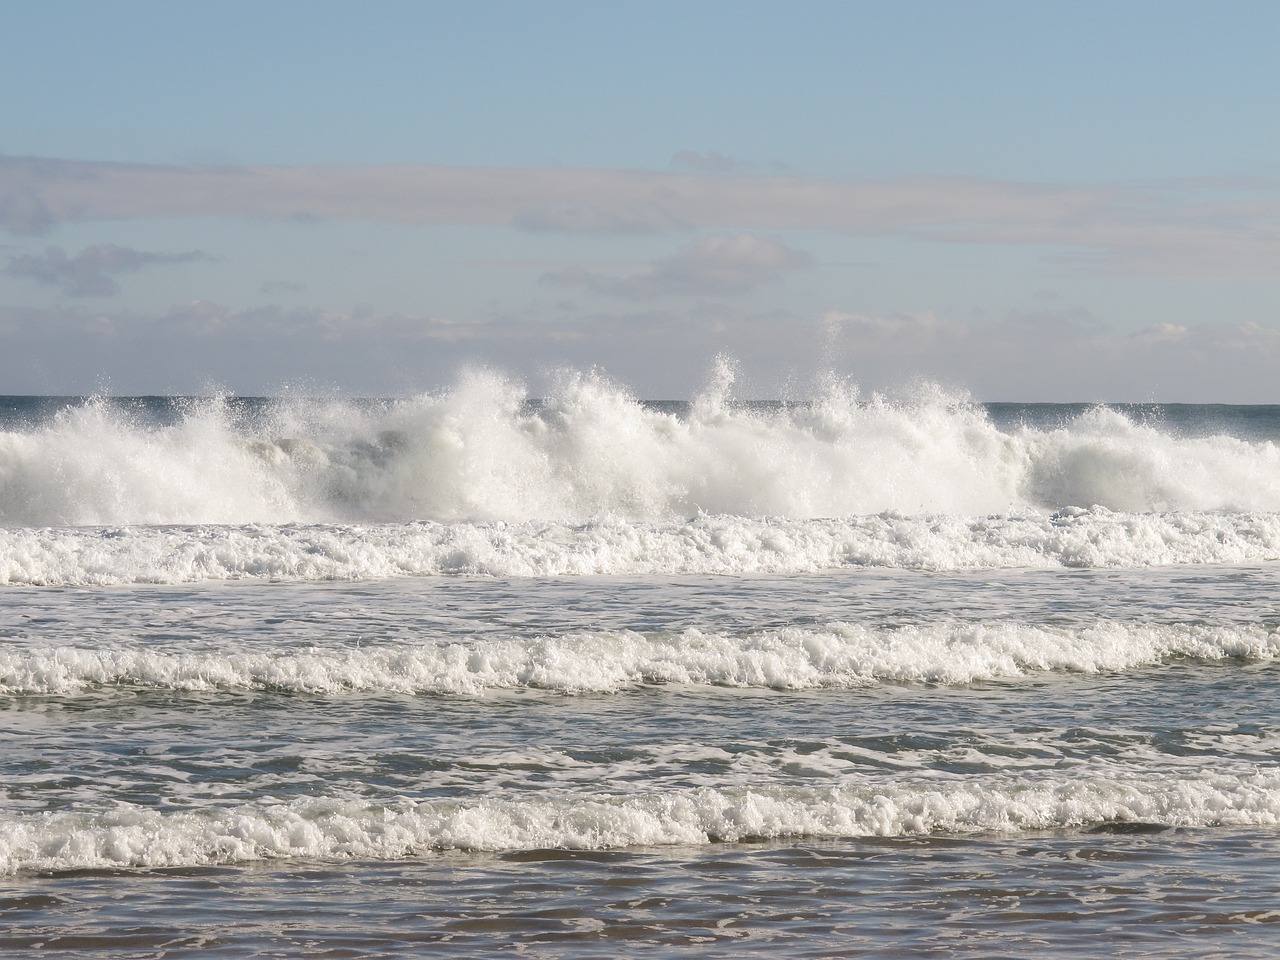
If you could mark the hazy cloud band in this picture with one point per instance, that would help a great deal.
(1201, 229)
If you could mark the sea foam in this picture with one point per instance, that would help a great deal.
(612, 545)
(837, 655)
(329, 828)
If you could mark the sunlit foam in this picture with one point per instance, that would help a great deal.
(482, 451)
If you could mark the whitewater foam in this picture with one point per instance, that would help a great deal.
(838, 655)
(610, 545)
(328, 828)
(483, 452)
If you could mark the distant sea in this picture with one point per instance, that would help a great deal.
(473, 673)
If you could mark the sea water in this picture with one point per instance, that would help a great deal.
(582, 675)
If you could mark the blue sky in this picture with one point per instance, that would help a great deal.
(1022, 200)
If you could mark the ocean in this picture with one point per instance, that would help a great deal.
(584, 675)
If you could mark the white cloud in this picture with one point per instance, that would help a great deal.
(915, 327)
(1163, 333)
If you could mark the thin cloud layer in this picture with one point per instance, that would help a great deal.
(717, 265)
(204, 321)
(658, 349)
(89, 273)
(1178, 229)
(1020, 336)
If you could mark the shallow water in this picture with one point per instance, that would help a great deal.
(1127, 894)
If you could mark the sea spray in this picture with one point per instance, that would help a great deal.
(485, 451)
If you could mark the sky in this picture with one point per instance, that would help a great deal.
(1060, 201)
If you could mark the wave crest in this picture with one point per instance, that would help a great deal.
(484, 451)
(838, 655)
(332, 829)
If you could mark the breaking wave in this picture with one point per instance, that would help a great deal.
(838, 655)
(485, 452)
(332, 828)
